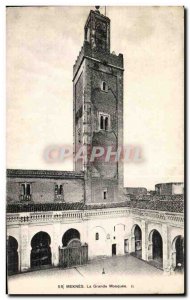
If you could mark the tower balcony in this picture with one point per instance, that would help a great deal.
(106, 58)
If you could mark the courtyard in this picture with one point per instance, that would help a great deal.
(118, 274)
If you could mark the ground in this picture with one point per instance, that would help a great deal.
(126, 273)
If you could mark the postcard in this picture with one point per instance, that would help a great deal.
(95, 150)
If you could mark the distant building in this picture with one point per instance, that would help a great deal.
(135, 191)
(171, 188)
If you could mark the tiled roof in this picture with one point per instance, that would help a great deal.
(49, 174)
(179, 197)
(159, 205)
(31, 207)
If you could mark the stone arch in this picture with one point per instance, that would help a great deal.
(136, 240)
(35, 230)
(40, 250)
(155, 247)
(177, 253)
(12, 255)
(69, 235)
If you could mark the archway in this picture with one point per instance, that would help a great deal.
(41, 250)
(70, 235)
(12, 255)
(157, 252)
(137, 241)
(73, 252)
(178, 253)
(156, 248)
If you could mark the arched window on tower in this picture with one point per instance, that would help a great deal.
(106, 123)
(97, 236)
(104, 86)
(101, 122)
(25, 191)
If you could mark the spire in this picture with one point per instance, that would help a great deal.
(97, 31)
(97, 9)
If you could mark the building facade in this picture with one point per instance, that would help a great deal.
(171, 188)
(52, 212)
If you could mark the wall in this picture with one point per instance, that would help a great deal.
(135, 191)
(114, 226)
(43, 189)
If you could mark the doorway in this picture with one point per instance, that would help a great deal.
(179, 252)
(113, 249)
(138, 241)
(41, 251)
(126, 246)
(12, 255)
(157, 245)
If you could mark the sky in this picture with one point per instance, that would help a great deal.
(42, 46)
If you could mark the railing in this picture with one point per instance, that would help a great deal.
(25, 197)
(167, 217)
(79, 215)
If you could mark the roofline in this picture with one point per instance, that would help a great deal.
(49, 174)
(169, 183)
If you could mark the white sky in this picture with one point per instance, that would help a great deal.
(42, 46)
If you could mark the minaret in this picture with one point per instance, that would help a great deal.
(98, 111)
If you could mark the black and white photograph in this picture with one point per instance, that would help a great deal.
(95, 150)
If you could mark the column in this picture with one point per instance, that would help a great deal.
(55, 243)
(132, 244)
(25, 248)
(144, 242)
(120, 245)
(173, 261)
(165, 248)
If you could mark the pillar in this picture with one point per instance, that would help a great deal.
(132, 244)
(25, 248)
(150, 250)
(144, 242)
(165, 248)
(120, 245)
(55, 243)
(173, 260)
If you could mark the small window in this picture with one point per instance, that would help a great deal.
(23, 190)
(59, 189)
(104, 121)
(25, 193)
(105, 195)
(101, 122)
(27, 189)
(104, 86)
(97, 236)
(56, 189)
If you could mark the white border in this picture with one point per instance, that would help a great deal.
(3, 5)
